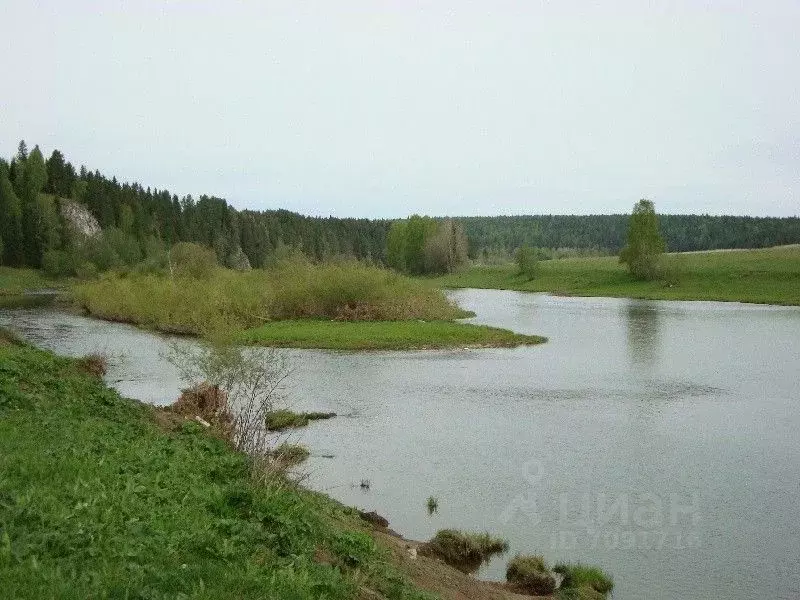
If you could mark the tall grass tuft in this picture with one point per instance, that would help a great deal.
(578, 576)
(531, 573)
(465, 551)
(227, 301)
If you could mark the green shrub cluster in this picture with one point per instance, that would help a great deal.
(227, 301)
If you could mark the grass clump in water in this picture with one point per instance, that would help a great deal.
(289, 455)
(278, 420)
(584, 577)
(531, 574)
(432, 504)
(465, 551)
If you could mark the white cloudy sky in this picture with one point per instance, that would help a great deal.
(383, 108)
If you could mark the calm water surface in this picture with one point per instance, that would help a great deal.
(659, 440)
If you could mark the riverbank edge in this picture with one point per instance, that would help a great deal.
(556, 293)
(767, 276)
(25, 364)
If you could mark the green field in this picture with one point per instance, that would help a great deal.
(768, 276)
(383, 335)
(97, 500)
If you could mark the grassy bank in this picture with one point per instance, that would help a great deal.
(769, 276)
(383, 335)
(98, 501)
(16, 281)
(349, 306)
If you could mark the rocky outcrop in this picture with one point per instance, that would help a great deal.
(79, 220)
(238, 260)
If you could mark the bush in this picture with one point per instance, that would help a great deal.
(578, 576)
(527, 262)
(192, 260)
(57, 263)
(531, 573)
(230, 301)
(86, 270)
(465, 551)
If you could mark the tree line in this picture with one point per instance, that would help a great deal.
(607, 233)
(140, 224)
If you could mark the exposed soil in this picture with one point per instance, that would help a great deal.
(435, 576)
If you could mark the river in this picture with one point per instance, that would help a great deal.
(658, 440)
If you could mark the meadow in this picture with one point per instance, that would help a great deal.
(767, 276)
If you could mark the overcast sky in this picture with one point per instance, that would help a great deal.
(382, 109)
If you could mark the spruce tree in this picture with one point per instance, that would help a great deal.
(10, 220)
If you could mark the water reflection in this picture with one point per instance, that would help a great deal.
(643, 332)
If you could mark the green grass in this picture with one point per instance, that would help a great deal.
(531, 573)
(464, 550)
(290, 455)
(585, 577)
(382, 335)
(16, 281)
(98, 501)
(278, 420)
(230, 301)
(768, 276)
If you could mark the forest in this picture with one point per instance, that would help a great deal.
(139, 223)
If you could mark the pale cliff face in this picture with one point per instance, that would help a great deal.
(79, 219)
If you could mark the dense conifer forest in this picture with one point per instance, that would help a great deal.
(140, 222)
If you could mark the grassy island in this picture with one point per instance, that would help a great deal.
(343, 306)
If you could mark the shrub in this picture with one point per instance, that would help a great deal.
(207, 401)
(231, 301)
(192, 260)
(58, 263)
(86, 270)
(578, 576)
(527, 262)
(531, 573)
(465, 551)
